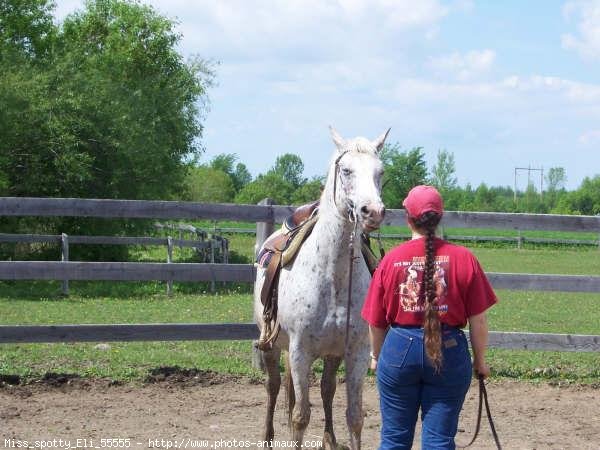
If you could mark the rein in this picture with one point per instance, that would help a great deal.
(354, 220)
(483, 398)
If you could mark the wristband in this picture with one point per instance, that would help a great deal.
(372, 355)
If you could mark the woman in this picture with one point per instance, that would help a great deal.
(423, 292)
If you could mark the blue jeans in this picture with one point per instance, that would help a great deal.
(407, 382)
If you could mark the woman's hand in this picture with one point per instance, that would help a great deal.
(376, 336)
(373, 365)
(481, 368)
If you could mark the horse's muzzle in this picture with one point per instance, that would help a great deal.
(372, 216)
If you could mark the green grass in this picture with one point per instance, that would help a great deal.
(517, 311)
(545, 261)
(546, 312)
(130, 361)
(40, 303)
(129, 302)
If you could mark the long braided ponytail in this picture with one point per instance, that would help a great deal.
(428, 222)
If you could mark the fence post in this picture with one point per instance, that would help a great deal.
(213, 243)
(64, 257)
(169, 261)
(263, 231)
(519, 240)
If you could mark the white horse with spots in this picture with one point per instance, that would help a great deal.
(313, 295)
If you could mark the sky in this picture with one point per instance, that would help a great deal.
(498, 84)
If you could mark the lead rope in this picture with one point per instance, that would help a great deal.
(483, 398)
(352, 218)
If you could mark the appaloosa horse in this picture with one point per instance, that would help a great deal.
(313, 311)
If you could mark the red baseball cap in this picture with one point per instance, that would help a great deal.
(422, 199)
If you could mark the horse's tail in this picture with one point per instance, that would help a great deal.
(289, 390)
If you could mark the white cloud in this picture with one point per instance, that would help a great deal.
(573, 91)
(306, 30)
(464, 66)
(590, 137)
(586, 41)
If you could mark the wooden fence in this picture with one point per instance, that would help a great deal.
(518, 240)
(265, 215)
(65, 240)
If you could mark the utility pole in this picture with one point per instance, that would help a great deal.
(530, 169)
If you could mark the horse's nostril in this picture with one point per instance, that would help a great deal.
(364, 210)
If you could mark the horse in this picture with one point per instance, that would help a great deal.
(317, 316)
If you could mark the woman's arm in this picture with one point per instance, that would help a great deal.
(376, 336)
(478, 332)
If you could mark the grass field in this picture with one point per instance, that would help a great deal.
(105, 302)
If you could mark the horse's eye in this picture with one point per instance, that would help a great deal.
(347, 172)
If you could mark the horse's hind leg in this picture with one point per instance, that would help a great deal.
(273, 383)
(328, 385)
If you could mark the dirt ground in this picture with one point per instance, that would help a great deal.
(207, 410)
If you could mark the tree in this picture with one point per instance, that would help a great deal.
(403, 171)
(224, 162)
(109, 110)
(585, 200)
(308, 192)
(207, 184)
(26, 30)
(443, 172)
(240, 176)
(556, 178)
(271, 185)
(290, 168)
(114, 115)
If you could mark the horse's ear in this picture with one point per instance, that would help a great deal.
(378, 143)
(339, 141)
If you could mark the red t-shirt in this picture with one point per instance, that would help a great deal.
(394, 297)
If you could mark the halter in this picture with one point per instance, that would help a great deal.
(350, 206)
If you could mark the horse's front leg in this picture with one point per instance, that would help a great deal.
(300, 365)
(357, 361)
(328, 386)
(273, 383)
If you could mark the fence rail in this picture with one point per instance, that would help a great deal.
(100, 240)
(245, 331)
(265, 215)
(245, 273)
(125, 271)
(149, 209)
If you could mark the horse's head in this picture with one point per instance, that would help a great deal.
(357, 173)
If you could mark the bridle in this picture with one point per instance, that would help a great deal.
(350, 206)
(353, 219)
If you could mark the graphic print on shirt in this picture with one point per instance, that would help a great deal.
(411, 282)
